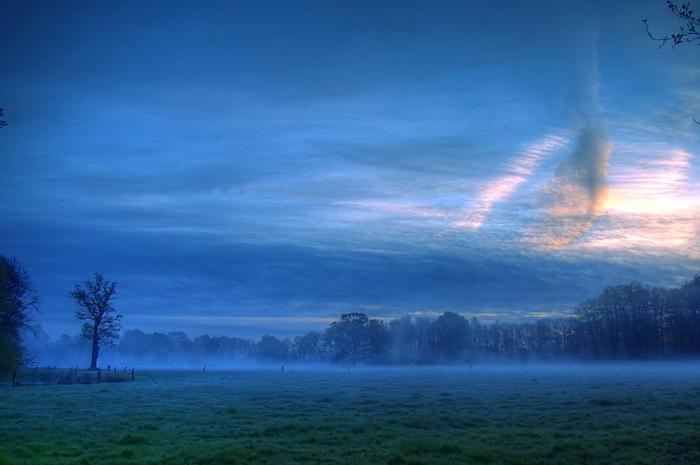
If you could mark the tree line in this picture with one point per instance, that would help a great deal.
(631, 321)
(627, 322)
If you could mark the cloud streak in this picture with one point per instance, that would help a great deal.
(502, 188)
(655, 186)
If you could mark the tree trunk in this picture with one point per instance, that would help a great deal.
(95, 348)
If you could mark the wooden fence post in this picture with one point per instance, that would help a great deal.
(99, 378)
(132, 374)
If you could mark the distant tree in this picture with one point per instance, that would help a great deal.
(425, 340)
(3, 123)
(18, 301)
(403, 342)
(451, 336)
(135, 343)
(378, 340)
(271, 348)
(101, 322)
(307, 347)
(689, 316)
(230, 348)
(348, 338)
(179, 342)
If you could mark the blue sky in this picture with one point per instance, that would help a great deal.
(242, 168)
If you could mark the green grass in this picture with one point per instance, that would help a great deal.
(32, 377)
(517, 416)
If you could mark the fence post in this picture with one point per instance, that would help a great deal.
(132, 374)
(14, 378)
(99, 378)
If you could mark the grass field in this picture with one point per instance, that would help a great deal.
(616, 415)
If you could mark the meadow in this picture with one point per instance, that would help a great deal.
(637, 414)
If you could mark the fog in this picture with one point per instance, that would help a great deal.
(624, 323)
(71, 352)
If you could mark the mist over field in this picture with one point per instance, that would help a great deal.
(624, 323)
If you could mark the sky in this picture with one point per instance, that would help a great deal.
(245, 168)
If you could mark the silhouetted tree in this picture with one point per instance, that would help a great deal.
(307, 347)
(451, 336)
(425, 343)
(178, 348)
(378, 340)
(3, 122)
(688, 31)
(101, 322)
(631, 321)
(17, 302)
(403, 341)
(348, 339)
(689, 316)
(271, 348)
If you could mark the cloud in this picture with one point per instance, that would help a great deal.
(182, 274)
(309, 177)
(653, 207)
(396, 208)
(657, 185)
(500, 189)
(576, 195)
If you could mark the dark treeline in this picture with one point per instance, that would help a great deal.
(631, 321)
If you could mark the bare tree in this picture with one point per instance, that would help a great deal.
(688, 31)
(101, 322)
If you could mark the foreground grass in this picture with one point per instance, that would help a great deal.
(484, 416)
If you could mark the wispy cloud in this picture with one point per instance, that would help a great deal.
(517, 173)
(341, 171)
(655, 186)
(398, 208)
(653, 206)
